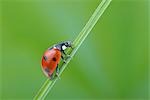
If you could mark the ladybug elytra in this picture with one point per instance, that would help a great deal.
(52, 56)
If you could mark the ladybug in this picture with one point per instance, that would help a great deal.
(52, 57)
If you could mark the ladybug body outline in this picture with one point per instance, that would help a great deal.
(52, 57)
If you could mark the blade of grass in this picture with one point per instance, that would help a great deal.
(46, 87)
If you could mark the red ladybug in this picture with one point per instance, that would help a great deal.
(52, 56)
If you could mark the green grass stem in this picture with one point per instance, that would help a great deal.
(46, 87)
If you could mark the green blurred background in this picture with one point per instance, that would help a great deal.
(112, 63)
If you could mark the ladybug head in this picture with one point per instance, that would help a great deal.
(63, 45)
(66, 44)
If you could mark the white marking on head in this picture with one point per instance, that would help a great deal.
(54, 47)
(64, 47)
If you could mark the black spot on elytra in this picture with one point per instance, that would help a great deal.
(45, 58)
(54, 59)
(47, 70)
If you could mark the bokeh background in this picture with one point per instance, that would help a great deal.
(111, 64)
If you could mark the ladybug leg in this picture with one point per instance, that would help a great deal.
(63, 59)
(68, 56)
(57, 71)
(64, 52)
(71, 47)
